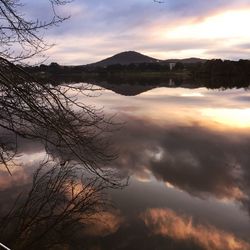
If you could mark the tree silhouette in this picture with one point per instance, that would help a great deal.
(74, 135)
(54, 116)
(61, 201)
(20, 37)
(39, 111)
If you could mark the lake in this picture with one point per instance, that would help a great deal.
(186, 152)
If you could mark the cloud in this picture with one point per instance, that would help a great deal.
(104, 223)
(195, 159)
(167, 223)
(19, 178)
(99, 28)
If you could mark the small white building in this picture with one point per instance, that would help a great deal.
(172, 65)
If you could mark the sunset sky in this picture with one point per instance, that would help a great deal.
(173, 29)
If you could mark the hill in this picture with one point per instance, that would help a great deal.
(186, 60)
(125, 58)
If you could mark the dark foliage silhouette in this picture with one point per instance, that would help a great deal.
(60, 202)
(66, 190)
(20, 37)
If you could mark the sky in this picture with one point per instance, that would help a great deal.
(173, 29)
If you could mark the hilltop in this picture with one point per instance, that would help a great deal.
(125, 58)
(133, 57)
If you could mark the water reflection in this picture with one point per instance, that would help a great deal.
(202, 160)
(169, 224)
(59, 203)
(196, 159)
(187, 155)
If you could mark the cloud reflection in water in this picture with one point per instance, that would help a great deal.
(166, 222)
(166, 141)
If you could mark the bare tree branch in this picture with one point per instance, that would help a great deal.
(53, 115)
(61, 200)
(17, 33)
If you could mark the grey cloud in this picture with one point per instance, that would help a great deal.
(200, 161)
(123, 25)
(177, 45)
(244, 46)
(244, 99)
(232, 53)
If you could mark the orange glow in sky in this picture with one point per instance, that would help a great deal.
(162, 33)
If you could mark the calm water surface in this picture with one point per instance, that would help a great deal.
(187, 154)
(187, 151)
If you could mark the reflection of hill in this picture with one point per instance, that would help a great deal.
(126, 86)
(137, 85)
(133, 89)
(128, 89)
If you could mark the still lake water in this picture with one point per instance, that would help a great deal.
(186, 151)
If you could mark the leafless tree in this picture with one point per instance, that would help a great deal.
(68, 128)
(61, 202)
(54, 116)
(20, 37)
(74, 135)
(40, 111)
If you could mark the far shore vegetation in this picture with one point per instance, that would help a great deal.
(210, 73)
